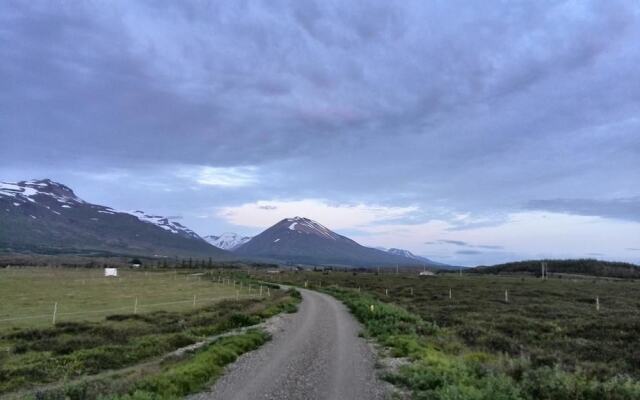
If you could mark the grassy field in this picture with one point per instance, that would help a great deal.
(117, 353)
(548, 341)
(29, 294)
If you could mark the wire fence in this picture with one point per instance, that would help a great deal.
(247, 291)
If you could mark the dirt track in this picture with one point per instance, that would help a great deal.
(315, 354)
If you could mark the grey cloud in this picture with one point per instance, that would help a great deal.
(466, 244)
(468, 252)
(622, 208)
(452, 106)
(455, 242)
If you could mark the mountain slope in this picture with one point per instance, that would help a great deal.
(301, 240)
(227, 241)
(47, 217)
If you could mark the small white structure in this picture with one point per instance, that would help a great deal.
(111, 272)
(426, 273)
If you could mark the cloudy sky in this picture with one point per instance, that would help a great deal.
(464, 131)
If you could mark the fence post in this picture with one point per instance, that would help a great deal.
(135, 306)
(55, 311)
(268, 292)
(386, 292)
(597, 303)
(450, 294)
(194, 300)
(260, 290)
(506, 295)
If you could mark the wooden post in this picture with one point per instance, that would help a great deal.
(450, 294)
(194, 300)
(268, 292)
(55, 311)
(506, 295)
(597, 303)
(260, 290)
(386, 292)
(135, 306)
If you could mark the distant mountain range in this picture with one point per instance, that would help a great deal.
(303, 241)
(227, 241)
(43, 216)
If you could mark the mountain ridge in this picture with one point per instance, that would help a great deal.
(47, 216)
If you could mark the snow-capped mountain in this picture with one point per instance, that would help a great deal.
(44, 216)
(227, 241)
(304, 241)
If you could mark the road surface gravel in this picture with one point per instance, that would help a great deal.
(314, 354)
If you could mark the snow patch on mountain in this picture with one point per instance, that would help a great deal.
(307, 226)
(227, 241)
(28, 191)
(165, 223)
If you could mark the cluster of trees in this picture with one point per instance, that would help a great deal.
(579, 266)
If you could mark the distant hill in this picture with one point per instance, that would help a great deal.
(46, 217)
(304, 241)
(424, 260)
(589, 267)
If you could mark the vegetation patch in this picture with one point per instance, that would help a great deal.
(443, 367)
(41, 360)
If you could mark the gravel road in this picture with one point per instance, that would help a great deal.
(314, 354)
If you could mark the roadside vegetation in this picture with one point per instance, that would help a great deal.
(546, 340)
(133, 356)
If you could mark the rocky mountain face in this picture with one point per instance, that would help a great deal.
(227, 241)
(44, 216)
(304, 241)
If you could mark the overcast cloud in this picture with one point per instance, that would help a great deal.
(443, 119)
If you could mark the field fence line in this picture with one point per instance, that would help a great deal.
(138, 306)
